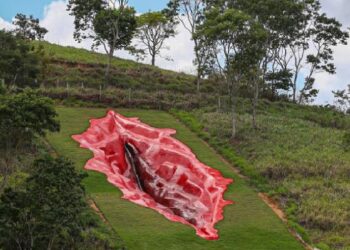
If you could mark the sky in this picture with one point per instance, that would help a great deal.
(9, 8)
(54, 17)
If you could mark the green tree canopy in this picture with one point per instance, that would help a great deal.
(153, 29)
(45, 212)
(19, 61)
(28, 27)
(111, 24)
(23, 117)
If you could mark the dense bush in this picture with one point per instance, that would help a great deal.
(20, 62)
(45, 211)
(24, 117)
(49, 211)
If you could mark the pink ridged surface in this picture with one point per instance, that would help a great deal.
(175, 183)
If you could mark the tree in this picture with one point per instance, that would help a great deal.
(19, 61)
(281, 21)
(276, 80)
(342, 99)
(29, 27)
(153, 29)
(45, 212)
(23, 117)
(110, 23)
(309, 47)
(249, 61)
(233, 37)
(191, 15)
(325, 34)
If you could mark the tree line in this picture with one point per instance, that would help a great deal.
(258, 49)
(262, 48)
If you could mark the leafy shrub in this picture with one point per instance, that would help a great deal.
(23, 118)
(50, 211)
(45, 209)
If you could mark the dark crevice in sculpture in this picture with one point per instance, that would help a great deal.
(146, 181)
(134, 161)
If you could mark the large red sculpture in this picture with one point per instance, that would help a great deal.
(155, 170)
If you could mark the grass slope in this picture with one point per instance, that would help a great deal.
(76, 66)
(301, 153)
(248, 224)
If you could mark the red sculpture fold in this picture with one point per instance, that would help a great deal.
(154, 170)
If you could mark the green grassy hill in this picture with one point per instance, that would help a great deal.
(79, 74)
(79, 66)
(298, 155)
(248, 224)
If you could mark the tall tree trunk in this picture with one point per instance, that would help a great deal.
(294, 92)
(153, 60)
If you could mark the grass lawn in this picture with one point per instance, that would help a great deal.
(248, 224)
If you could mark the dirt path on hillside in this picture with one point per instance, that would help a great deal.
(94, 206)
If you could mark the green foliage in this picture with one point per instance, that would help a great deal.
(106, 31)
(301, 163)
(23, 118)
(79, 67)
(46, 211)
(254, 222)
(19, 61)
(190, 121)
(300, 230)
(153, 29)
(111, 24)
(342, 98)
(330, 119)
(26, 115)
(323, 246)
(28, 27)
(2, 87)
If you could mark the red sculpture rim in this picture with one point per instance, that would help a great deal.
(98, 164)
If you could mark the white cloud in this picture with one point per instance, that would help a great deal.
(5, 25)
(60, 25)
